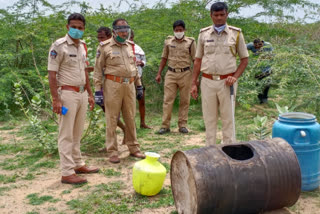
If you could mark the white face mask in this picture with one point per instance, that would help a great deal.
(179, 35)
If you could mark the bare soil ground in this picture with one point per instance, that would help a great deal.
(47, 182)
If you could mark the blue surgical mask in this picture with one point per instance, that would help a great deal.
(75, 33)
(220, 29)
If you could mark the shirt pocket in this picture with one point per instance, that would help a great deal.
(132, 57)
(230, 48)
(183, 51)
(116, 59)
(71, 61)
(210, 48)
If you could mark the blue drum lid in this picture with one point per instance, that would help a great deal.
(297, 117)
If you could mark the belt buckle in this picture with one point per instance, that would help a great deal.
(179, 70)
(125, 80)
(81, 89)
(215, 77)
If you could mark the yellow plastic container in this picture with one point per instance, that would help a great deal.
(148, 175)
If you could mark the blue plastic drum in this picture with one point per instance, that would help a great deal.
(302, 132)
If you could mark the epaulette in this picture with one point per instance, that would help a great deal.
(190, 38)
(169, 37)
(205, 29)
(104, 42)
(234, 28)
(130, 42)
(82, 41)
(60, 41)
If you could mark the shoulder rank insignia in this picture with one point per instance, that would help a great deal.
(234, 28)
(105, 42)
(205, 29)
(60, 41)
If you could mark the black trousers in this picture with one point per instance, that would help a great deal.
(263, 97)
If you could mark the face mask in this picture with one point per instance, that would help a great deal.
(75, 33)
(117, 29)
(179, 35)
(120, 39)
(220, 29)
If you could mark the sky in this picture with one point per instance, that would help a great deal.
(92, 3)
(246, 12)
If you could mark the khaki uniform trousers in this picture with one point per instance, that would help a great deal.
(120, 96)
(174, 81)
(70, 130)
(216, 95)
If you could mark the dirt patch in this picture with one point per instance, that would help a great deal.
(47, 181)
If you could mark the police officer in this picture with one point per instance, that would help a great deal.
(218, 46)
(104, 33)
(116, 57)
(70, 87)
(179, 51)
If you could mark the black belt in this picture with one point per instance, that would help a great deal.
(178, 69)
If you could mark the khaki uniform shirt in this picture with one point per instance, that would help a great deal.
(69, 61)
(114, 59)
(178, 53)
(217, 51)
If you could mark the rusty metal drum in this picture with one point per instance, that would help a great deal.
(248, 177)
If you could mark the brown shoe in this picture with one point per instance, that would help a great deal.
(86, 170)
(73, 179)
(138, 155)
(114, 159)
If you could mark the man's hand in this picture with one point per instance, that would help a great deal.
(98, 98)
(91, 102)
(194, 91)
(56, 106)
(231, 80)
(139, 63)
(139, 92)
(158, 78)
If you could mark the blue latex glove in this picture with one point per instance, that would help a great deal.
(98, 98)
(139, 92)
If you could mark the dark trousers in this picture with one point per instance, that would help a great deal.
(263, 97)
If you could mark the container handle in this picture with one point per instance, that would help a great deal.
(303, 133)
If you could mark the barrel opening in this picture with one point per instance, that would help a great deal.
(238, 152)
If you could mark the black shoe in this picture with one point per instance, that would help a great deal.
(183, 130)
(163, 131)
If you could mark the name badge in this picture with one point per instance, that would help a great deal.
(210, 40)
(172, 46)
(72, 55)
(116, 53)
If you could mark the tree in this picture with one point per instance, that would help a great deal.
(283, 9)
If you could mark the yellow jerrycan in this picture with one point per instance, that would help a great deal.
(148, 175)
